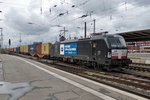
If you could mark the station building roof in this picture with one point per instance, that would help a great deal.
(139, 35)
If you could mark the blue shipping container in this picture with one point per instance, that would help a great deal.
(17, 49)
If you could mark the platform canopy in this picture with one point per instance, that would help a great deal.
(133, 36)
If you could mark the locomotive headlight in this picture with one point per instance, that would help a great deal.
(108, 55)
(113, 51)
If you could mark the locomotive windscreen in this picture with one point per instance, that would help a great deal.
(116, 41)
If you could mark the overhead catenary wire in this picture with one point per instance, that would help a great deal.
(111, 9)
(21, 5)
(103, 12)
(68, 11)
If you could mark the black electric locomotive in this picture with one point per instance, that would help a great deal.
(100, 51)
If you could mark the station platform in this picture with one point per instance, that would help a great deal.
(143, 58)
(25, 79)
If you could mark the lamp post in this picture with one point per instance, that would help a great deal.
(1, 39)
(94, 26)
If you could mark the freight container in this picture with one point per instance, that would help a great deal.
(39, 50)
(17, 49)
(21, 49)
(25, 49)
(55, 50)
(46, 49)
(43, 50)
(33, 48)
(14, 49)
(10, 50)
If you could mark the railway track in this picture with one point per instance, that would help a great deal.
(130, 83)
(139, 67)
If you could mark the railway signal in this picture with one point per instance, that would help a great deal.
(9, 42)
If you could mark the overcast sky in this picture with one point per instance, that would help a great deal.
(38, 20)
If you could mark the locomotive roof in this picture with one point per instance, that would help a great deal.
(66, 41)
(88, 39)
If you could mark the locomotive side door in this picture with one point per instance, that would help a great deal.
(94, 44)
(99, 51)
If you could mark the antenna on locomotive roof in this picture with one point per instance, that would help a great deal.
(106, 32)
(61, 38)
(101, 33)
(94, 26)
(85, 30)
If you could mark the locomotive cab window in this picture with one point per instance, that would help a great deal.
(116, 41)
